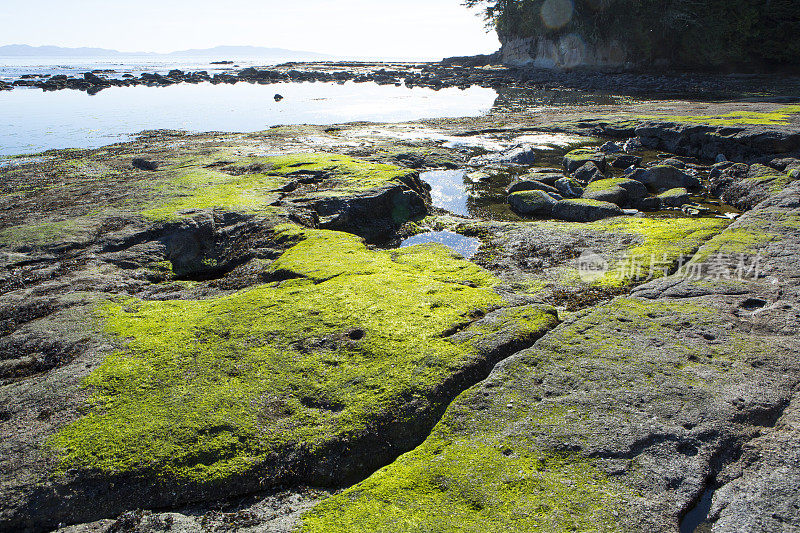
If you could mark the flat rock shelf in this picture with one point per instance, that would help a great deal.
(584, 318)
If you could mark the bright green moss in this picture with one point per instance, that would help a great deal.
(474, 485)
(604, 185)
(664, 244)
(779, 117)
(733, 242)
(253, 185)
(204, 390)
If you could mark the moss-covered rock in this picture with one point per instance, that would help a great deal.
(577, 158)
(674, 197)
(320, 378)
(584, 432)
(619, 191)
(585, 210)
(532, 202)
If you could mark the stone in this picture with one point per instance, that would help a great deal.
(744, 186)
(144, 164)
(674, 197)
(584, 210)
(663, 177)
(278, 97)
(569, 187)
(532, 202)
(578, 158)
(619, 191)
(588, 172)
(531, 185)
(610, 148)
(626, 161)
(524, 155)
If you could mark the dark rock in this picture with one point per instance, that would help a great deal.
(610, 148)
(578, 158)
(626, 161)
(588, 172)
(278, 97)
(530, 185)
(569, 187)
(144, 164)
(744, 186)
(532, 202)
(583, 210)
(663, 177)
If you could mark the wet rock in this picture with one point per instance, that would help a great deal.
(144, 164)
(619, 191)
(578, 158)
(521, 156)
(278, 97)
(611, 148)
(673, 162)
(531, 185)
(633, 145)
(663, 177)
(744, 186)
(739, 143)
(626, 161)
(674, 198)
(569, 187)
(532, 202)
(588, 172)
(584, 210)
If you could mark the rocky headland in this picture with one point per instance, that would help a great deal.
(220, 332)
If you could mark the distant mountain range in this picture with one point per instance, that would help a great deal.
(220, 52)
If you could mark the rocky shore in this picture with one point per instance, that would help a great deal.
(220, 332)
(455, 72)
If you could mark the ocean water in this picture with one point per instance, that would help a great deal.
(12, 68)
(32, 120)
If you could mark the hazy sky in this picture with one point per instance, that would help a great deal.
(408, 28)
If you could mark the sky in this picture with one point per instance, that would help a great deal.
(418, 29)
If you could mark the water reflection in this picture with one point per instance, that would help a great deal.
(467, 247)
(515, 100)
(448, 190)
(33, 121)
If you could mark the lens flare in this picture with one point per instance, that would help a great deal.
(556, 13)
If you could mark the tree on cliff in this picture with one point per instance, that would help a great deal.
(683, 32)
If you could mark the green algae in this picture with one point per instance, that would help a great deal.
(474, 485)
(664, 244)
(252, 185)
(206, 390)
(778, 117)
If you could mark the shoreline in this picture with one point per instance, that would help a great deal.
(446, 74)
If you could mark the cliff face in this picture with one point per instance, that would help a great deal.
(750, 34)
(566, 51)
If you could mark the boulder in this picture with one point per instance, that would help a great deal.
(663, 177)
(674, 197)
(610, 148)
(619, 191)
(585, 210)
(744, 186)
(588, 172)
(531, 185)
(577, 158)
(626, 161)
(537, 203)
(144, 164)
(569, 187)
